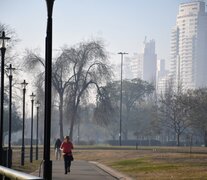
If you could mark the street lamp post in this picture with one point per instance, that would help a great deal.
(120, 123)
(9, 157)
(37, 106)
(3, 50)
(47, 173)
(32, 96)
(24, 84)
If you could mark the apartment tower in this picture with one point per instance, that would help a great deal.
(149, 61)
(188, 65)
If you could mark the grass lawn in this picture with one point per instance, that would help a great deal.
(144, 163)
(177, 166)
(28, 167)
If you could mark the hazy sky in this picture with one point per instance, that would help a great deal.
(122, 24)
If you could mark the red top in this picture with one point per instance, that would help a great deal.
(66, 147)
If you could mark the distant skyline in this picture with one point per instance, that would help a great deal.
(121, 24)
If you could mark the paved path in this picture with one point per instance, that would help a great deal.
(83, 170)
(80, 170)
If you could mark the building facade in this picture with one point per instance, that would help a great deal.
(137, 66)
(162, 77)
(189, 46)
(149, 62)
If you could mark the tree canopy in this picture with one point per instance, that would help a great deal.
(75, 71)
(134, 92)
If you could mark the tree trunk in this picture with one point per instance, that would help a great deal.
(61, 116)
(73, 121)
(74, 112)
(205, 138)
(178, 139)
(72, 125)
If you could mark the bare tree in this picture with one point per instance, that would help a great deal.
(174, 113)
(89, 70)
(198, 114)
(74, 71)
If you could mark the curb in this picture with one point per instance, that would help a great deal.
(111, 171)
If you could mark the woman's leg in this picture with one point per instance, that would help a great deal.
(69, 164)
(65, 163)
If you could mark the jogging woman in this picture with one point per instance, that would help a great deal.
(66, 148)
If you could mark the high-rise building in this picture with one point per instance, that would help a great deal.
(137, 66)
(142, 66)
(149, 61)
(161, 70)
(127, 71)
(162, 77)
(188, 66)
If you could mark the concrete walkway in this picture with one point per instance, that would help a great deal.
(79, 170)
(83, 170)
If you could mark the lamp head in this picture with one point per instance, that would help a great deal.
(50, 4)
(24, 84)
(10, 70)
(122, 53)
(32, 97)
(37, 104)
(3, 38)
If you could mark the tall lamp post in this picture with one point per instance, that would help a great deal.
(32, 96)
(37, 106)
(47, 173)
(3, 50)
(10, 71)
(24, 85)
(120, 123)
